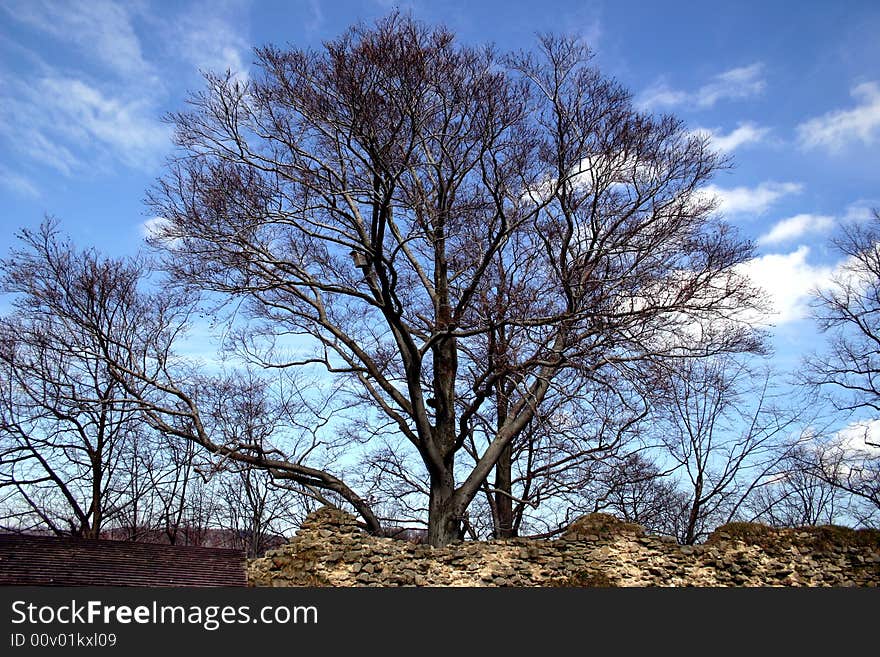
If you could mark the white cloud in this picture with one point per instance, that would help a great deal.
(850, 453)
(796, 226)
(860, 439)
(159, 230)
(153, 227)
(836, 129)
(853, 452)
(744, 133)
(750, 200)
(101, 29)
(788, 279)
(735, 84)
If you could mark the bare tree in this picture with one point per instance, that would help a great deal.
(797, 496)
(848, 311)
(257, 512)
(724, 444)
(79, 452)
(142, 463)
(849, 461)
(556, 456)
(361, 197)
(635, 489)
(64, 418)
(172, 488)
(246, 409)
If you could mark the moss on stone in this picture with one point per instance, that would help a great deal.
(752, 533)
(830, 536)
(600, 524)
(821, 537)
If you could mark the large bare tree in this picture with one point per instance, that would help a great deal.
(457, 234)
(848, 311)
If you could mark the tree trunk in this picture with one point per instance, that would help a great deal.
(503, 499)
(94, 529)
(694, 515)
(444, 514)
(504, 467)
(444, 518)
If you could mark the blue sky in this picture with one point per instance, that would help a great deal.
(790, 90)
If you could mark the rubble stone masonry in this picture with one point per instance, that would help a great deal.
(596, 550)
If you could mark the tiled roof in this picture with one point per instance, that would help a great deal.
(53, 561)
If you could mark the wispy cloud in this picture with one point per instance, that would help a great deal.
(839, 128)
(751, 200)
(742, 82)
(70, 124)
(17, 183)
(103, 106)
(745, 133)
(861, 210)
(734, 84)
(317, 19)
(795, 227)
(23, 132)
(661, 95)
(583, 20)
(211, 37)
(100, 29)
(128, 127)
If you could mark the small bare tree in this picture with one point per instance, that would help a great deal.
(64, 418)
(796, 496)
(724, 444)
(245, 409)
(635, 489)
(257, 512)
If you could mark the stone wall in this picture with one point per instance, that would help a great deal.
(596, 550)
